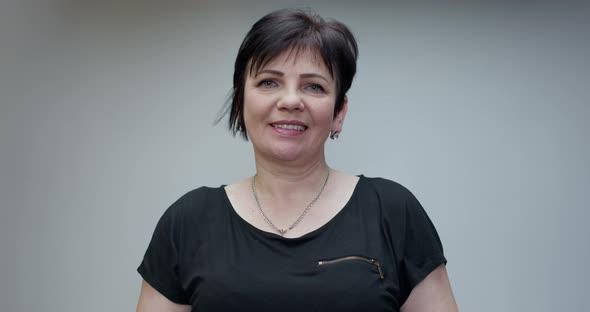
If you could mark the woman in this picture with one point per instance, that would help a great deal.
(298, 235)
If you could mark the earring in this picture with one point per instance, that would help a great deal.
(334, 134)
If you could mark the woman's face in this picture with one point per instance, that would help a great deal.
(289, 107)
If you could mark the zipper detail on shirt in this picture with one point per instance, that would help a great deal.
(348, 258)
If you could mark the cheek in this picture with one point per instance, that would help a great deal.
(256, 113)
(249, 108)
(255, 102)
(325, 117)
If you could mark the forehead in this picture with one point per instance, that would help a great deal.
(300, 60)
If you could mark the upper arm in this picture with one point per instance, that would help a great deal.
(150, 300)
(432, 294)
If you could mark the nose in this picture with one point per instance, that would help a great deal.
(290, 100)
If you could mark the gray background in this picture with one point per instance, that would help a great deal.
(480, 108)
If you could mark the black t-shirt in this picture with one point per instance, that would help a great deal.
(367, 258)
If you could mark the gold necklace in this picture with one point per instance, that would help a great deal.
(283, 231)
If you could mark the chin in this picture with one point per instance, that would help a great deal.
(287, 153)
(286, 156)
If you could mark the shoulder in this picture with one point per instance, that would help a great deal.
(200, 195)
(190, 215)
(395, 201)
(193, 203)
(387, 189)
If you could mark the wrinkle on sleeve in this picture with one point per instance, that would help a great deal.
(422, 248)
(160, 265)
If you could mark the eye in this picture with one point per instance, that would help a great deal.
(314, 87)
(267, 83)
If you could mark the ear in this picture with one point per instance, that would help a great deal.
(339, 119)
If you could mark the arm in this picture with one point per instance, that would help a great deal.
(150, 300)
(433, 294)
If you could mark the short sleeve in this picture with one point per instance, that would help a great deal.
(160, 265)
(422, 248)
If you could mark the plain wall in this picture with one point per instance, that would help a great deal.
(107, 108)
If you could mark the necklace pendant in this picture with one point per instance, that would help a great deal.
(283, 231)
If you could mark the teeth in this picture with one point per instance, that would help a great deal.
(290, 127)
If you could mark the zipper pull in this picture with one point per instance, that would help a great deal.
(376, 263)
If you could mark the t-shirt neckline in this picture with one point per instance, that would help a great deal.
(306, 236)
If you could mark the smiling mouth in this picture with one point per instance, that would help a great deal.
(290, 127)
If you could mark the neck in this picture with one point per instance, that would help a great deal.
(286, 181)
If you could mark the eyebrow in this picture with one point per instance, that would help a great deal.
(280, 73)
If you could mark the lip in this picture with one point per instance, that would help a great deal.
(289, 122)
(288, 132)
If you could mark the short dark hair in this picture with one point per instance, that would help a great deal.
(292, 29)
